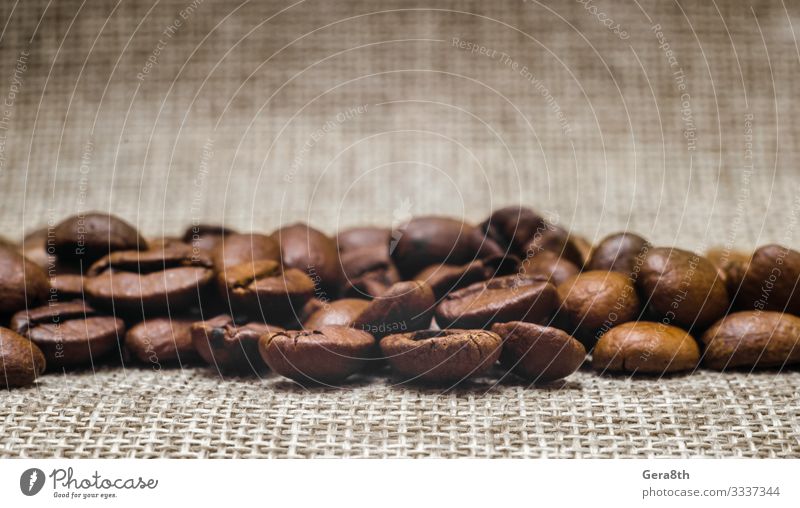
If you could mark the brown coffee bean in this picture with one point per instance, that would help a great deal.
(502, 299)
(40, 248)
(22, 283)
(368, 236)
(682, 287)
(554, 239)
(513, 226)
(154, 281)
(538, 353)
(91, 236)
(205, 236)
(549, 266)
(339, 313)
(162, 340)
(263, 289)
(732, 265)
(324, 355)
(620, 252)
(70, 334)
(406, 306)
(441, 356)
(594, 301)
(771, 281)
(230, 348)
(445, 278)
(67, 286)
(312, 251)
(426, 241)
(647, 348)
(21, 361)
(368, 271)
(752, 339)
(236, 249)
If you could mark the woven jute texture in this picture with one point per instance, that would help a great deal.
(676, 119)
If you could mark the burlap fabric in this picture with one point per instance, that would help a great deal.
(675, 119)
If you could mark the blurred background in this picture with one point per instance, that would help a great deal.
(674, 119)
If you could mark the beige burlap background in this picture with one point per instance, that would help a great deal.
(675, 119)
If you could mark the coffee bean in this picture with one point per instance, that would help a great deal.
(312, 251)
(594, 301)
(205, 236)
(162, 340)
(406, 306)
(752, 339)
(154, 281)
(441, 356)
(682, 287)
(91, 236)
(341, 312)
(21, 361)
(646, 348)
(426, 241)
(230, 348)
(445, 278)
(620, 252)
(732, 265)
(771, 281)
(538, 353)
(554, 239)
(513, 226)
(356, 238)
(22, 283)
(368, 271)
(38, 247)
(70, 334)
(324, 355)
(236, 249)
(549, 266)
(264, 290)
(502, 299)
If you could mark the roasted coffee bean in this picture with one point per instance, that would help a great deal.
(538, 353)
(21, 361)
(23, 284)
(441, 356)
(584, 247)
(771, 281)
(554, 239)
(594, 301)
(445, 278)
(502, 299)
(368, 271)
(155, 281)
(70, 334)
(549, 266)
(426, 241)
(732, 266)
(513, 226)
(205, 236)
(620, 252)
(236, 249)
(647, 348)
(324, 355)
(263, 289)
(91, 236)
(752, 339)
(230, 348)
(682, 287)
(339, 313)
(65, 279)
(406, 306)
(40, 248)
(310, 250)
(162, 340)
(368, 236)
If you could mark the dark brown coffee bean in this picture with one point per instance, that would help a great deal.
(771, 281)
(554, 239)
(162, 340)
(67, 286)
(445, 278)
(155, 281)
(594, 301)
(205, 236)
(503, 299)
(549, 266)
(426, 241)
(646, 348)
(513, 226)
(752, 339)
(91, 236)
(441, 356)
(40, 248)
(368, 271)
(23, 284)
(406, 306)
(21, 361)
(682, 287)
(339, 313)
(310, 250)
(620, 252)
(324, 355)
(70, 334)
(356, 238)
(235, 249)
(230, 348)
(263, 289)
(538, 353)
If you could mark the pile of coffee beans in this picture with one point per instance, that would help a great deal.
(434, 300)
